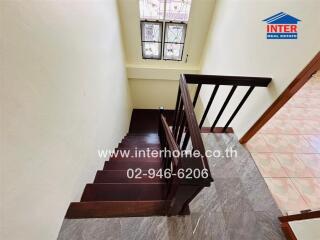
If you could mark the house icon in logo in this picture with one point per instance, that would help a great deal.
(282, 26)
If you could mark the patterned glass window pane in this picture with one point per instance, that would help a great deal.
(175, 32)
(177, 10)
(151, 9)
(151, 31)
(151, 50)
(172, 51)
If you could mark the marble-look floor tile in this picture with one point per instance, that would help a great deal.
(179, 227)
(241, 225)
(231, 195)
(209, 226)
(269, 226)
(140, 228)
(206, 200)
(90, 229)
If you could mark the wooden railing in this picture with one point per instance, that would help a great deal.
(234, 81)
(182, 188)
(185, 134)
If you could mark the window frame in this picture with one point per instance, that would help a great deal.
(164, 40)
(143, 41)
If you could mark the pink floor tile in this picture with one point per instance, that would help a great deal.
(309, 93)
(314, 140)
(313, 84)
(288, 144)
(287, 150)
(268, 165)
(285, 194)
(312, 161)
(309, 189)
(312, 113)
(305, 102)
(305, 126)
(283, 113)
(280, 126)
(294, 113)
(293, 166)
(257, 144)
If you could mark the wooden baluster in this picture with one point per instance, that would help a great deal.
(179, 118)
(181, 127)
(223, 107)
(196, 94)
(213, 94)
(176, 110)
(160, 128)
(185, 140)
(238, 107)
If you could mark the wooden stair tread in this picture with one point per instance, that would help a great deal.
(124, 192)
(106, 209)
(145, 136)
(138, 145)
(120, 176)
(151, 135)
(141, 140)
(126, 164)
(132, 148)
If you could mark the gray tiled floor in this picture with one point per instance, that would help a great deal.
(238, 205)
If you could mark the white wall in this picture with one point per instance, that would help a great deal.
(64, 94)
(153, 93)
(237, 45)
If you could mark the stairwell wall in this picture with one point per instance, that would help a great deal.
(64, 95)
(237, 45)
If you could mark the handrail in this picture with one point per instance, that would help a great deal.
(193, 129)
(227, 80)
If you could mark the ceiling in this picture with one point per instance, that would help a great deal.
(197, 30)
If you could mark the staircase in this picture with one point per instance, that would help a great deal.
(113, 194)
(116, 193)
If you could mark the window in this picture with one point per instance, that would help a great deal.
(174, 41)
(151, 34)
(163, 16)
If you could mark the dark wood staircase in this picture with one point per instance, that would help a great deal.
(114, 194)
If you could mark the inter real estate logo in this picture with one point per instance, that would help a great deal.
(282, 26)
